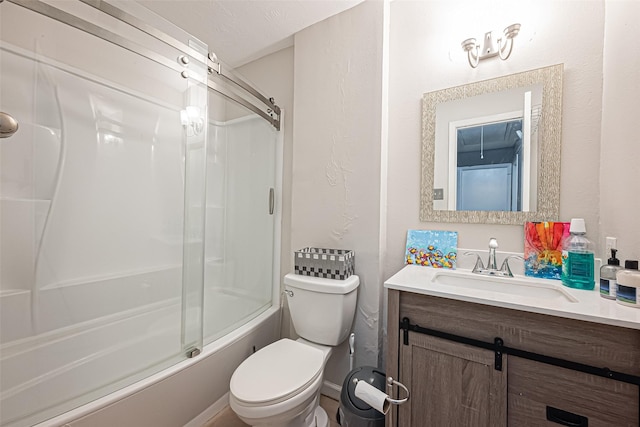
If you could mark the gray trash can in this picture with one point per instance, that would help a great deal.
(353, 412)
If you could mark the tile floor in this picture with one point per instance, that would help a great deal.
(226, 418)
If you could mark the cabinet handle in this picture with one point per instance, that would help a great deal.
(566, 418)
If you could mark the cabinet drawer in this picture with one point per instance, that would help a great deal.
(535, 387)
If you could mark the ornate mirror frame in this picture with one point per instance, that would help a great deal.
(549, 138)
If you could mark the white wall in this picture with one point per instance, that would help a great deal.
(336, 157)
(425, 55)
(619, 151)
(598, 179)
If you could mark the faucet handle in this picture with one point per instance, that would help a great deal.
(479, 265)
(505, 265)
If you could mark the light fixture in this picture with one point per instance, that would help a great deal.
(491, 46)
(192, 120)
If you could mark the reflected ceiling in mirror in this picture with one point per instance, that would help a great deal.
(499, 134)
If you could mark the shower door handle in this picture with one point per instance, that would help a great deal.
(8, 125)
(272, 200)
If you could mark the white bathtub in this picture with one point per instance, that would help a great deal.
(106, 345)
(186, 394)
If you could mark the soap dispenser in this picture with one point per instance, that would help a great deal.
(608, 276)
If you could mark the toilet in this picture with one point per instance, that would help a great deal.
(279, 385)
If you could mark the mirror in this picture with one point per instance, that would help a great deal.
(491, 150)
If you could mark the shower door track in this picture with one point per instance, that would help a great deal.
(270, 111)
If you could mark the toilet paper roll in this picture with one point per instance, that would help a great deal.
(372, 396)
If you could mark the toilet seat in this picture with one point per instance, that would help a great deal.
(276, 373)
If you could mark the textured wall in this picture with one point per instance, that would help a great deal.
(336, 156)
(620, 148)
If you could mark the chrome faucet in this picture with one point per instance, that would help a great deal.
(491, 262)
(492, 266)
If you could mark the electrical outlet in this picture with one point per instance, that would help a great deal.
(438, 194)
(611, 243)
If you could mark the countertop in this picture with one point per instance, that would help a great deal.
(588, 306)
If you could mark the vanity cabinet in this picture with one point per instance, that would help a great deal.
(451, 384)
(456, 383)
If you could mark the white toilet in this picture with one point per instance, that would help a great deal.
(279, 385)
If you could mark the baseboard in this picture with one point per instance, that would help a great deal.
(331, 390)
(210, 412)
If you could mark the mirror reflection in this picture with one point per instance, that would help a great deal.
(489, 146)
(489, 167)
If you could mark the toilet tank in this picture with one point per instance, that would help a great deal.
(322, 310)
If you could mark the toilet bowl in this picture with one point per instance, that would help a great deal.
(279, 385)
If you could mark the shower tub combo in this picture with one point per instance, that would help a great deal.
(139, 229)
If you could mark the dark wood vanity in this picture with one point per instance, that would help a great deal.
(458, 382)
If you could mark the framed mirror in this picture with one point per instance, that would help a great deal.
(491, 150)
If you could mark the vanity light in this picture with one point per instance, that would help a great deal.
(490, 46)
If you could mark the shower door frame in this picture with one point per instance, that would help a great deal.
(265, 107)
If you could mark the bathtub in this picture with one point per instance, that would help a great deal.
(108, 344)
(186, 394)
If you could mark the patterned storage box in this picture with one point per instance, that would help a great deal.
(328, 263)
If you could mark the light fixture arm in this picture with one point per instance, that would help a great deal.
(488, 49)
(472, 48)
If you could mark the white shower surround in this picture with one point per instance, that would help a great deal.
(114, 298)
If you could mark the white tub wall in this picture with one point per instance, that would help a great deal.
(87, 54)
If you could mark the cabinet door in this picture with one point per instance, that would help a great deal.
(451, 384)
(545, 395)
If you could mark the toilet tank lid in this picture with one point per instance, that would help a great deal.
(320, 284)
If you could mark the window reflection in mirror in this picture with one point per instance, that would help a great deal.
(486, 150)
(489, 173)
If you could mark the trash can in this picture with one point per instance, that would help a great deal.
(354, 412)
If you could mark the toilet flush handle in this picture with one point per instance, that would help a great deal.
(289, 293)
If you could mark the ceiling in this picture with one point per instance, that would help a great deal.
(240, 31)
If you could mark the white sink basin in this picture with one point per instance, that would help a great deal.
(525, 287)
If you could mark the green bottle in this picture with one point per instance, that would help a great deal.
(577, 258)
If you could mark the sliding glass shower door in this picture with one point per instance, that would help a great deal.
(240, 217)
(137, 202)
(101, 215)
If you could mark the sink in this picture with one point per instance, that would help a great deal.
(524, 287)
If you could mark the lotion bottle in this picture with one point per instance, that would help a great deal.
(628, 280)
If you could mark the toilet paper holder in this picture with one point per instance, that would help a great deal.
(390, 383)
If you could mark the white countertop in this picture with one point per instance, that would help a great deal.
(588, 305)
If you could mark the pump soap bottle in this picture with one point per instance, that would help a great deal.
(577, 258)
(608, 272)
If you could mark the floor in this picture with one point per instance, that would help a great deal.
(226, 418)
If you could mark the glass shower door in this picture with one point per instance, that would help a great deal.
(101, 216)
(240, 218)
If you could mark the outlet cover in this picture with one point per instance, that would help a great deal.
(438, 194)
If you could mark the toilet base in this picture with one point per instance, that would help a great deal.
(322, 419)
